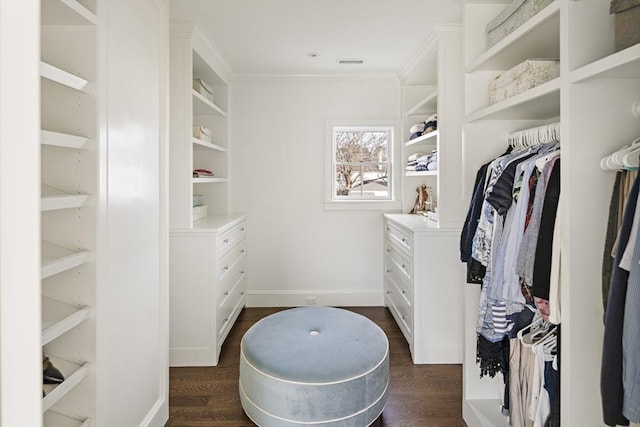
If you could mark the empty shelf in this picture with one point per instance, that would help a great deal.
(55, 199)
(73, 373)
(58, 139)
(62, 77)
(427, 105)
(56, 419)
(66, 12)
(202, 106)
(421, 173)
(56, 259)
(201, 144)
(58, 318)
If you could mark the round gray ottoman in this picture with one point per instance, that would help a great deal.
(319, 366)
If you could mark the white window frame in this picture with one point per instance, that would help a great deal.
(393, 203)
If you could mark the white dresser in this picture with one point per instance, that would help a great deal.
(208, 286)
(423, 287)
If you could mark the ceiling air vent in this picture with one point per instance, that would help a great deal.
(351, 61)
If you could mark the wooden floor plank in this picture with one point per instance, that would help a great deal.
(419, 396)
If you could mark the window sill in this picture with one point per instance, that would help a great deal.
(364, 205)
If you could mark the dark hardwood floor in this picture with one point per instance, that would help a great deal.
(420, 395)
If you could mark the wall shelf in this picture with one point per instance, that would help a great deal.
(421, 173)
(56, 419)
(623, 64)
(427, 105)
(56, 259)
(56, 199)
(536, 38)
(208, 180)
(65, 140)
(541, 102)
(62, 77)
(74, 373)
(66, 12)
(423, 139)
(200, 144)
(202, 106)
(58, 318)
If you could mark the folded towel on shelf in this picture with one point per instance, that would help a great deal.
(414, 157)
(417, 128)
(411, 168)
(415, 135)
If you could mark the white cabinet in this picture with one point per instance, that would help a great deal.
(423, 297)
(208, 285)
(68, 211)
(596, 86)
(208, 255)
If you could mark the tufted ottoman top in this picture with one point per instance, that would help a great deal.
(315, 345)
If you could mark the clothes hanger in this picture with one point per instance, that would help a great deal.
(615, 160)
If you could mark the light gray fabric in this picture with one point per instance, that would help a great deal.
(319, 365)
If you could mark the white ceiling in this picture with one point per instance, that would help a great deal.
(274, 37)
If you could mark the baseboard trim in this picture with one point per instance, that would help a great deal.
(158, 415)
(282, 298)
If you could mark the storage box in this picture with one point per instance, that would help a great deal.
(198, 200)
(627, 22)
(513, 16)
(202, 133)
(203, 88)
(522, 77)
(199, 212)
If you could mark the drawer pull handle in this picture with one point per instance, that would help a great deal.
(241, 251)
(388, 292)
(226, 293)
(242, 293)
(242, 229)
(242, 272)
(388, 270)
(404, 292)
(225, 241)
(404, 266)
(405, 240)
(226, 267)
(388, 250)
(388, 229)
(404, 317)
(226, 319)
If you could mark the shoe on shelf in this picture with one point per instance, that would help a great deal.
(51, 374)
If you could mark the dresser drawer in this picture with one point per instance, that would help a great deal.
(228, 239)
(397, 262)
(400, 309)
(399, 235)
(229, 306)
(230, 260)
(233, 276)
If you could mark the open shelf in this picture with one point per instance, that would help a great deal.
(623, 64)
(56, 259)
(537, 38)
(55, 199)
(199, 143)
(208, 180)
(202, 106)
(62, 77)
(73, 373)
(66, 12)
(58, 318)
(421, 173)
(65, 140)
(422, 139)
(541, 102)
(56, 419)
(427, 105)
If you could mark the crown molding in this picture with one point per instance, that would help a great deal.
(341, 77)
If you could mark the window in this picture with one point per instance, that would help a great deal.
(361, 163)
(360, 173)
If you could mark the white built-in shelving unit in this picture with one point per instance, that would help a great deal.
(593, 100)
(68, 214)
(207, 256)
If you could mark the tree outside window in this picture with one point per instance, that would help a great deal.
(361, 163)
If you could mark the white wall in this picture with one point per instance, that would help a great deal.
(296, 248)
(132, 356)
